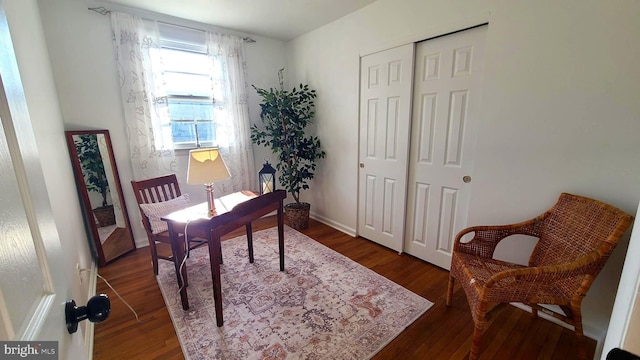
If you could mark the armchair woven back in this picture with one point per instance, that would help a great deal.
(575, 227)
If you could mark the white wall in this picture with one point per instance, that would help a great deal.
(559, 113)
(46, 118)
(82, 59)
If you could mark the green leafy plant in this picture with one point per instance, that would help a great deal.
(92, 166)
(285, 116)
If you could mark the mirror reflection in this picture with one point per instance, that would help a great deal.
(105, 213)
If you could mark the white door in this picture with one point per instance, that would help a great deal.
(385, 115)
(446, 99)
(33, 285)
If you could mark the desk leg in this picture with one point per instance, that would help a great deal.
(214, 255)
(281, 235)
(178, 256)
(250, 242)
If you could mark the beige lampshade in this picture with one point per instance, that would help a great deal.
(206, 166)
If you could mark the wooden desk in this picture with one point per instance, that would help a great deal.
(233, 211)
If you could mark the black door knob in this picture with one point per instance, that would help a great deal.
(97, 310)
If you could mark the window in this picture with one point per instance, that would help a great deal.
(194, 98)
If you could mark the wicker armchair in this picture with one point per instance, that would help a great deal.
(576, 238)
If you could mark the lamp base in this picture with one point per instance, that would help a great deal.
(210, 200)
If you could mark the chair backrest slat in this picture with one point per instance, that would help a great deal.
(155, 190)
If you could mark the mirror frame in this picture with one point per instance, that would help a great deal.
(85, 203)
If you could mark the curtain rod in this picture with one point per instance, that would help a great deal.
(104, 11)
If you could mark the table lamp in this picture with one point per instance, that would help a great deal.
(205, 167)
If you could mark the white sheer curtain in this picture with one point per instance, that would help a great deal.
(136, 45)
(232, 112)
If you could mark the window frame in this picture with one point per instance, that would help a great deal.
(190, 41)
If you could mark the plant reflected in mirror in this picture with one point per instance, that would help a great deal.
(101, 193)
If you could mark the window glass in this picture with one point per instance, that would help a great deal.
(175, 60)
(187, 84)
(183, 133)
(191, 87)
(190, 110)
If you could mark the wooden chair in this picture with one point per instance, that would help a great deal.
(157, 190)
(576, 238)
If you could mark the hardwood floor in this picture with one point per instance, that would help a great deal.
(441, 333)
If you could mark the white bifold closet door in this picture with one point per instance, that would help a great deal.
(444, 118)
(446, 99)
(385, 113)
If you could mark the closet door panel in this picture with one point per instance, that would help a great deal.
(445, 118)
(385, 115)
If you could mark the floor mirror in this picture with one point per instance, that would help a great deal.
(100, 192)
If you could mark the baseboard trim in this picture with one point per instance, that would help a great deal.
(334, 224)
(89, 326)
(140, 243)
(588, 330)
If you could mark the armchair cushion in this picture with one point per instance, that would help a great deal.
(155, 211)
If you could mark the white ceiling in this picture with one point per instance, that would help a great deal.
(279, 19)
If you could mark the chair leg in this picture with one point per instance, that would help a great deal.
(480, 324)
(450, 290)
(534, 311)
(178, 251)
(250, 242)
(476, 343)
(154, 257)
(577, 324)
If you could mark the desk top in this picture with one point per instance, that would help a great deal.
(200, 211)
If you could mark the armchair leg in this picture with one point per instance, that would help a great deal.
(480, 324)
(534, 311)
(476, 342)
(450, 290)
(577, 323)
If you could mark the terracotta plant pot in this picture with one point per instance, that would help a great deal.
(298, 215)
(105, 215)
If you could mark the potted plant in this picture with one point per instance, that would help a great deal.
(95, 176)
(285, 116)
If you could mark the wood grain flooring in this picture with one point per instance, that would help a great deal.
(441, 333)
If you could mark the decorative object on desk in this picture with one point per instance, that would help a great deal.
(267, 177)
(285, 115)
(101, 198)
(323, 306)
(206, 167)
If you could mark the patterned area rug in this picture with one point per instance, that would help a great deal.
(323, 306)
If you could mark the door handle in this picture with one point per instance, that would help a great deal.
(97, 310)
(361, 165)
(466, 179)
